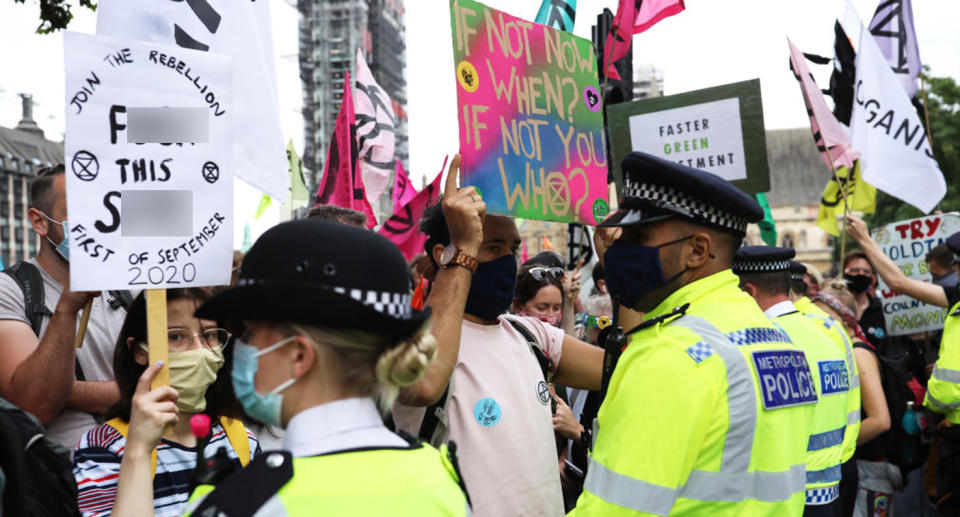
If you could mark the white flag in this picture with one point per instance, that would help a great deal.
(375, 131)
(226, 27)
(892, 28)
(885, 127)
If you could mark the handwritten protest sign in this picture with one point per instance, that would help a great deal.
(907, 244)
(717, 129)
(148, 165)
(530, 115)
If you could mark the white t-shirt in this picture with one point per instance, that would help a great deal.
(96, 355)
(500, 418)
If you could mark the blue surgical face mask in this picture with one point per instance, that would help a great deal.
(64, 247)
(491, 290)
(265, 408)
(632, 270)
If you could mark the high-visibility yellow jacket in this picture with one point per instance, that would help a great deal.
(943, 388)
(829, 367)
(409, 482)
(838, 334)
(706, 414)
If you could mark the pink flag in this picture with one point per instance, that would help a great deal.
(827, 132)
(403, 189)
(634, 17)
(524, 254)
(342, 183)
(375, 130)
(403, 226)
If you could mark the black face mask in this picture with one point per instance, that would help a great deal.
(491, 290)
(858, 283)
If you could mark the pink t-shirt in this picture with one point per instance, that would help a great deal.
(500, 418)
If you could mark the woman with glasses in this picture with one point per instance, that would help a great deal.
(547, 294)
(199, 352)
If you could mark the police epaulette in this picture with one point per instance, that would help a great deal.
(956, 312)
(679, 310)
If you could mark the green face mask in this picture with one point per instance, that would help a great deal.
(191, 374)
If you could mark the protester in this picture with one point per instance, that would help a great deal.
(198, 352)
(41, 371)
(547, 294)
(812, 278)
(338, 214)
(685, 428)
(876, 479)
(488, 384)
(765, 274)
(942, 263)
(330, 338)
(860, 275)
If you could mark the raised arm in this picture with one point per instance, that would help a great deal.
(889, 272)
(448, 294)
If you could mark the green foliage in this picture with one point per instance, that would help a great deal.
(943, 103)
(56, 14)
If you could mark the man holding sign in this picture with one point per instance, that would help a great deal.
(40, 369)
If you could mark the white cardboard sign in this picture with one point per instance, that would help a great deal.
(705, 136)
(159, 213)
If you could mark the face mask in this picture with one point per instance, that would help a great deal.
(947, 280)
(265, 408)
(191, 373)
(858, 283)
(552, 319)
(631, 271)
(63, 249)
(491, 290)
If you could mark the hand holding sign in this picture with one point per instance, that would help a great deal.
(151, 410)
(464, 211)
(857, 229)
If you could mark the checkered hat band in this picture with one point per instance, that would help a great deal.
(393, 304)
(796, 277)
(818, 496)
(767, 266)
(670, 198)
(396, 305)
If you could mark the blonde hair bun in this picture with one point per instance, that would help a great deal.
(406, 362)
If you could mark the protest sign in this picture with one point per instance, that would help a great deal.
(717, 129)
(148, 165)
(907, 244)
(529, 110)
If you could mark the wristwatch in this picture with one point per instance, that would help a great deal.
(454, 256)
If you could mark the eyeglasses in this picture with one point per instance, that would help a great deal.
(180, 339)
(540, 273)
(858, 271)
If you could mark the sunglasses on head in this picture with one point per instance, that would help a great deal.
(540, 273)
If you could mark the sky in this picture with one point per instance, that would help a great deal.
(712, 42)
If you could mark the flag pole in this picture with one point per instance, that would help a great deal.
(926, 110)
(846, 203)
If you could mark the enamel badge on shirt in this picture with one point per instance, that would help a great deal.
(785, 379)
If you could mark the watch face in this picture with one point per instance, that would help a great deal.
(447, 255)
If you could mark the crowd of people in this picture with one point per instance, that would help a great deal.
(697, 377)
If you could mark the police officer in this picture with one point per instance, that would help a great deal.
(835, 331)
(943, 396)
(330, 337)
(764, 273)
(709, 408)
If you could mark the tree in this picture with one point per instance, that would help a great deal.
(943, 105)
(56, 14)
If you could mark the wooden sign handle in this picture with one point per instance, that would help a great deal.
(84, 319)
(157, 334)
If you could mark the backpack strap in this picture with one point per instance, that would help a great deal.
(433, 417)
(546, 364)
(236, 435)
(120, 299)
(27, 276)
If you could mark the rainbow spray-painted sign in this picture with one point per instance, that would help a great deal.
(530, 115)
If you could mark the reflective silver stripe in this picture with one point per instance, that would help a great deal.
(942, 406)
(759, 486)
(853, 417)
(628, 492)
(946, 374)
(741, 397)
